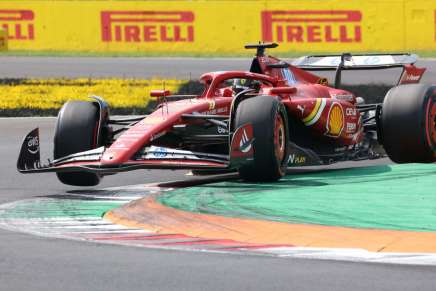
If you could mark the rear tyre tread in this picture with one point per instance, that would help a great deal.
(403, 124)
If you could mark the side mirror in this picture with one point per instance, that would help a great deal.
(160, 93)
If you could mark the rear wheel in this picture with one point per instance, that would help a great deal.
(76, 131)
(271, 138)
(409, 123)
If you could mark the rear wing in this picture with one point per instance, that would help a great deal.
(354, 62)
(347, 61)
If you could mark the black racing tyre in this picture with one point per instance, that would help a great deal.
(408, 126)
(271, 138)
(76, 130)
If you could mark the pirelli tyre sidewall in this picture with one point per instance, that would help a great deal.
(76, 127)
(270, 129)
(408, 123)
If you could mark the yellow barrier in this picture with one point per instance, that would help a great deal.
(3, 39)
(205, 27)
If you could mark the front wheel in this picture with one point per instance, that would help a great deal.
(271, 138)
(76, 130)
(408, 123)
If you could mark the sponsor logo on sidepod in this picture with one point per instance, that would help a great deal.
(351, 127)
(335, 120)
(294, 159)
(351, 111)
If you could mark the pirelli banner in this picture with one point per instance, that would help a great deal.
(207, 27)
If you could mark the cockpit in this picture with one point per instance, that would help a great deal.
(231, 83)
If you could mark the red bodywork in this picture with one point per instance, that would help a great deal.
(326, 111)
(325, 116)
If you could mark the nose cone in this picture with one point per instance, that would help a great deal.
(110, 157)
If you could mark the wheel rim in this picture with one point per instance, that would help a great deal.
(279, 138)
(431, 122)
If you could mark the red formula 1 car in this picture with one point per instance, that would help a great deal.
(256, 122)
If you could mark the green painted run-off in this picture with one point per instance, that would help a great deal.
(53, 208)
(399, 197)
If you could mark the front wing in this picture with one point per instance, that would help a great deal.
(151, 157)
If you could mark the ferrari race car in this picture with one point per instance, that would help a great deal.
(256, 122)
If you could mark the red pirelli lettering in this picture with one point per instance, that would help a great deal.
(311, 26)
(147, 26)
(18, 24)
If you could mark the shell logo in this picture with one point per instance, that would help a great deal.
(335, 120)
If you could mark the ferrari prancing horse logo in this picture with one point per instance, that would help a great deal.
(211, 104)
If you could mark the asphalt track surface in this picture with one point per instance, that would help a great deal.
(178, 68)
(30, 262)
